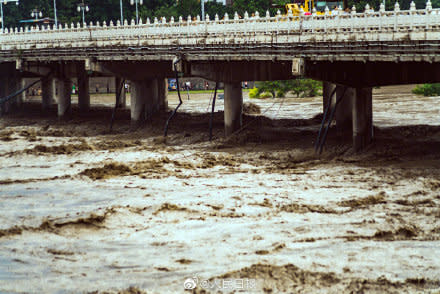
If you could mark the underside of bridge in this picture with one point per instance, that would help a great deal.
(371, 74)
(347, 84)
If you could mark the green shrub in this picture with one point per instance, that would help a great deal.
(311, 87)
(280, 93)
(427, 90)
(300, 87)
(253, 93)
(266, 95)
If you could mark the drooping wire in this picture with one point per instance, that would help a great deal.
(118, 100)
(324, 119)
(9, 97)
(212, 111)
(178, 94)
(332, 114)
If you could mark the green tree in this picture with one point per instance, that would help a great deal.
(251, 6)
(299, 87)
(427, 90)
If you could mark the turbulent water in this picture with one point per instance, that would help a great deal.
(84, 209)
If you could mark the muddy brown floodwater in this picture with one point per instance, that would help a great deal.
(85, 210)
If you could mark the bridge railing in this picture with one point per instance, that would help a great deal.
(235, 28)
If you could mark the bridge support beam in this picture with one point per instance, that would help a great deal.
(143, 95)
(83, 92)
(48, 87)
(123, 98)
(327, 91)
(362, 109)
(10, 82)
(233, 107)
(65, 99)
(22, 97)
(152, 99)
(3, 93)
(162, 92)
(14, 85)
(343, 113)
(137, 102)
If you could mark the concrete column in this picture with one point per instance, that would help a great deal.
(137, 102)
(48, 88)
(327, 91)
(83, 88)
(4, 85)
(343, 113)
(55, 88)
(14, 84)
(9, 83)
(233, 107)
(162, 88)
(123, 98)
(22, 97)
(153, 98)
(362, 118)
(65, 99)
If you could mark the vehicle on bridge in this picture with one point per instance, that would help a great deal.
(308, 6)
(172, 85)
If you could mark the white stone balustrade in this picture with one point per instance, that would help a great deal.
(423, 24)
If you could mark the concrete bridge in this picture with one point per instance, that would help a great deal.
(350, 52)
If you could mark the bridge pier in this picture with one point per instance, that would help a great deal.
(327, 91)
(48, 87)
(233, 107)
(22, 97)
(83, 88)
(14, 84)
(344, 115)
(162, 94)
(9, 83)
(123, 93)
(143, 96)
(137, 102)
(64, 98)
(3, 93)
(362, 110)
(152, 105)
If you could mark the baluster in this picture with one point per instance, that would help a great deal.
(428, 10)
(396, 11)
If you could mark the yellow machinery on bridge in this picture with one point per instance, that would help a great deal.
(308, 6)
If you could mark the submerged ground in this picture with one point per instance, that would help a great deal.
(85, 210)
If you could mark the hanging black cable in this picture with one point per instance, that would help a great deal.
(212, 111)
(9, 97)
(178, 94)
(324, 119)
(332, 114)
(118, 100)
